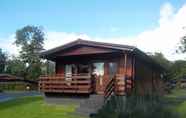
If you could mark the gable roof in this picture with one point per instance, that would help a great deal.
(119, 47)
(88, 43)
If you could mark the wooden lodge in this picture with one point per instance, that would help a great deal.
(88, 67)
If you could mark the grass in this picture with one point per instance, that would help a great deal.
(35, 107)
(177, 100)
(177, 93)
(181, 109)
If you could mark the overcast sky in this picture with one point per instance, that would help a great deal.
(152, 26)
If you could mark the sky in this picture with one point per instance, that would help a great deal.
(150, 25)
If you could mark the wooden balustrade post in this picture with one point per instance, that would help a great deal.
(76, 84)
(125, 73)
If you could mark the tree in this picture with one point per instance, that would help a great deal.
(3, 59)
(182, 47)
(178, 70)
(48, 68)
(16, 67)
(175, 70)
(160, 58)
(30, 39)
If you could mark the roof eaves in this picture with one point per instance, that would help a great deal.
(89, 43)
(53, 50)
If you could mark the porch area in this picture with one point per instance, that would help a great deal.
(84, 84)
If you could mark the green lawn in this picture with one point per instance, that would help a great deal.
(181, 109)
(177, 93)
(177, 99)
(35, 107)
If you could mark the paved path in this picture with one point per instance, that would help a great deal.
(5, 96)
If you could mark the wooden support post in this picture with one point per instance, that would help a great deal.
(125, 65)
(125, 72)
(133, 71)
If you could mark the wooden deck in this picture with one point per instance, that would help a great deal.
(58, 84)
(83, 84)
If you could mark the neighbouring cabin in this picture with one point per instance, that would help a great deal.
(13, 83)
(88, 67)
(179, 83)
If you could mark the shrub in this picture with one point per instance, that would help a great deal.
(135, 107)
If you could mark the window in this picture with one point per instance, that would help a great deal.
(83, 68)
(76, 69)
(98, 68)
(112, 69)
(68, 70)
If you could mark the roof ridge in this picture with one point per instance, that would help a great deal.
(89, 42)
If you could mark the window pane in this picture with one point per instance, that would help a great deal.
(112, 69)
(83, 68)
(98, 69)
(68, 70)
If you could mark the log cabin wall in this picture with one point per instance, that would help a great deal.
(143, 78)
(158, 84)
(130, 71)
(126, 69)
(147, 79)
(60, 68)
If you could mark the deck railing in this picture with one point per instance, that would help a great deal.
(109, 89)
(80, 83)
(119, 85)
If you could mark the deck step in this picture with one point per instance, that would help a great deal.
(90, 105)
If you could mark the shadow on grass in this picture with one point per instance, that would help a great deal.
(19, 102)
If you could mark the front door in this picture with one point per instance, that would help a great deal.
(98, 72)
